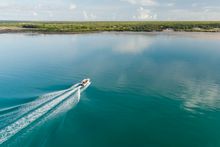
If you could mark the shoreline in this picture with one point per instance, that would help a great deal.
(97, 27)
(198, 35)
(94, 32)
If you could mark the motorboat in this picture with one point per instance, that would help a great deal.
(84, 84)
(80, 87)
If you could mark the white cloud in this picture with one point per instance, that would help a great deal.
(115, 10)
(171, 4)
(3, 4)
(142, 2)
(88, 16)
(85, 15)
(202, 14)
(50, 13)
(195, 4)
(72, 6)
(35, 13)
(144, 14)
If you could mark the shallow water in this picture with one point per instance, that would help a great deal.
(148, 89)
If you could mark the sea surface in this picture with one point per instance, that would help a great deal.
(147, 90)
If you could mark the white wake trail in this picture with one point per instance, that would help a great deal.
(36, 113)
(13, 113)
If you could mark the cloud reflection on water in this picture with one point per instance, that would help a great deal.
(200, 94)
(132, 44)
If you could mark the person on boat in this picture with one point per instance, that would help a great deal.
(84, 82)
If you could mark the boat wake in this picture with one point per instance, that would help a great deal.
(15, 119)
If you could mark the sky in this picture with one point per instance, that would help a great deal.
(109, 10)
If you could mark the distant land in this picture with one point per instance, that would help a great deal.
(101, 26)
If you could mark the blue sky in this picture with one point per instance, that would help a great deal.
(109, 10)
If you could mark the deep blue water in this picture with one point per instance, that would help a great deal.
(148, 89)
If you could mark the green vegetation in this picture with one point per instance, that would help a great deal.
(138, 26)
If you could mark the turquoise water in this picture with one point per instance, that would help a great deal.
(148, 89)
